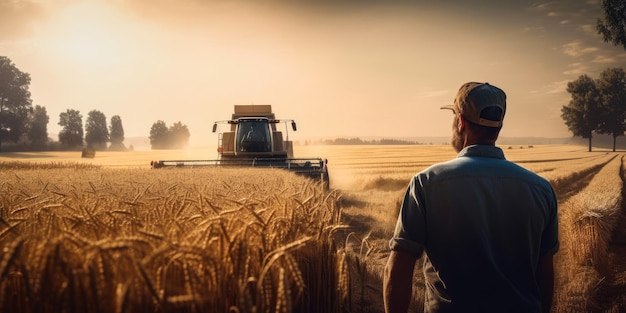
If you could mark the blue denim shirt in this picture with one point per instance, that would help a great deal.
(483, 223)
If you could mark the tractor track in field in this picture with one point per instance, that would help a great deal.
(612, 295)
(575, 184)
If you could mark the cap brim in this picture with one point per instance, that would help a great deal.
(448, 107)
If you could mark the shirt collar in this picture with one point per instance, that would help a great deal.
(482, 151)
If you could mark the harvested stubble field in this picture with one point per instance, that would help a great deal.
(111, 235)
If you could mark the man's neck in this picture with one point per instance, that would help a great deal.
(470, 141)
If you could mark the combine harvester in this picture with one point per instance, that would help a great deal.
(254, 141)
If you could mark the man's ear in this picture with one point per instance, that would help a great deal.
(461, 123)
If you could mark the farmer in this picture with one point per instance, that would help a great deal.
(486, 227)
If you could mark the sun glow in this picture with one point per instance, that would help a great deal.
(89, 33)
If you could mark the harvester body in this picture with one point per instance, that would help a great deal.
(253, 134)
(255, 138)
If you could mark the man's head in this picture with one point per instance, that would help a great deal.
(479, 111)
(474, 100)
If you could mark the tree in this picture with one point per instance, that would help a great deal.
(96, 131)
(612, 89)
(72, 133)
(178, 136)
(38, 127)
(612, 26)
(582, 114)
(15, 102)
(159, 135)
(174, 137)
(116, 133)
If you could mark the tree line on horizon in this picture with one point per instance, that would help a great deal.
(25, 128)
(358, 141)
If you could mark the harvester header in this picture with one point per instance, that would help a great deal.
(255, 138)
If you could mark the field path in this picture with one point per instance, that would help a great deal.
(615, 294)
(576, 183)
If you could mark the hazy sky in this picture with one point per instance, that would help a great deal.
(339, 68)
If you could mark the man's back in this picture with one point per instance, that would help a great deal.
(484, 223)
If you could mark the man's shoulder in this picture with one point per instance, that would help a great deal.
(477, 166)
(441, 170)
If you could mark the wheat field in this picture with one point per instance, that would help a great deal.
(109, 234)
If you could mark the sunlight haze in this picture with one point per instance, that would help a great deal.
(351, 68)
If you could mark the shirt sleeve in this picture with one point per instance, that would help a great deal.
(410, 232)
(550, 236)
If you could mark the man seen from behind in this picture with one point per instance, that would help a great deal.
(486, 227)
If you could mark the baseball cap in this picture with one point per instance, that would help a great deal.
(474, 97)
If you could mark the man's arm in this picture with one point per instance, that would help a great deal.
(398, 281)
(545, 278)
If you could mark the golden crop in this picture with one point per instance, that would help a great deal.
(210, 240)
(108, 234)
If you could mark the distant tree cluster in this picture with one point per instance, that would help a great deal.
(174, 137)
(359, 141)
(96, 133)
(396, 142)
(21, 123)
(597, 105)
(25, 127)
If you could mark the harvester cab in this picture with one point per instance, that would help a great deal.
(255, 138)
(253, 133)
